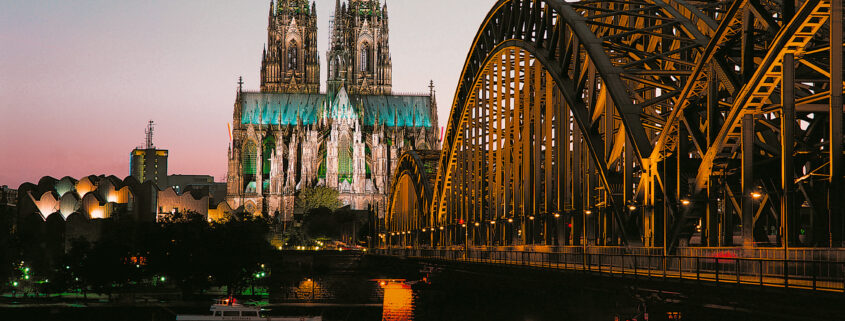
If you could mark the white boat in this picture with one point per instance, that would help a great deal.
(230, 309)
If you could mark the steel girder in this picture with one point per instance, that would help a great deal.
(650, 88)
(633, 56)
(418, 167)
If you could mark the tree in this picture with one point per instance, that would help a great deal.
(321, 222)
(243, 246)
(311, 198)
(181, 250)
(9, 254)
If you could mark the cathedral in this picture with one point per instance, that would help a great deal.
(290, 136)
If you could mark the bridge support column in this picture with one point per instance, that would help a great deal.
(748, 181)
(712, 220)
(578, 226)
(788, 214)
(835, 192)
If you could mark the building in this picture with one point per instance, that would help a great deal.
(8, 196)
(288, 136)
(149, 163)
(215, 190)
(73, 208)
(105, 197)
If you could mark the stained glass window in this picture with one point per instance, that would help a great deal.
(344, 159)
(248, 162)
(292, 55)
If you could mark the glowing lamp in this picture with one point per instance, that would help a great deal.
(632, 207)
(685, 202)
(492, 222)
(756, 195)
(510, 220)
(441, 228)
(588, 212)
(557, 215)
(531, 217)
(476, 224)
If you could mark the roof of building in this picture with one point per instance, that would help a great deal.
(282, 108)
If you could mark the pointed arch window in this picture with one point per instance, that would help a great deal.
(366, 57)
(293, 55)
(267, 155)
(249, 159)
(344, 159)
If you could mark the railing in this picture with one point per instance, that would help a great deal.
(818, 275)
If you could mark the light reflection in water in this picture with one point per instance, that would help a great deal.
(398, 301)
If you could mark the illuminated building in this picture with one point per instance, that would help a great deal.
(149, 163)
(104, 197)
(288, 136)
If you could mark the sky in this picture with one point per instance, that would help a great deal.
(79, 80)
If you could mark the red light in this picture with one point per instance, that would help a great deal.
(570, 225)
(461, 221)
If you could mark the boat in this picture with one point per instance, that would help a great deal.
(230, 309)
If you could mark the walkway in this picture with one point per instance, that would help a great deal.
(799, 274)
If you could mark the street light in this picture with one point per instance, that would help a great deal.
(632, 208)
(476, 224)
(756, 195)
(685, 202)
(531, 217)
(557, 215)
(492, 222)
(510, 220)
(588, 212)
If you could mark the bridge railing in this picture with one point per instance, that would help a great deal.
(823, 275)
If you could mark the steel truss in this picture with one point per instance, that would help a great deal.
(656, 123)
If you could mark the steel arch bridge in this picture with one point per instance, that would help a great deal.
(655, 124)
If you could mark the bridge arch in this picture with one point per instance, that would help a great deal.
(410, 198)
(618, 123)
(569, 71)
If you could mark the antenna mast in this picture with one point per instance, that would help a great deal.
(149, 133)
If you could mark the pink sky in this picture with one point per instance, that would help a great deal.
(80, 79)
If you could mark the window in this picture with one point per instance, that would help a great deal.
(249, 165)
(344, 159)
(293, 55)
(366, 57)
(230, 313)
(249, 313)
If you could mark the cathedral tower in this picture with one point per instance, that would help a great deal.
(291, 63)
(359, 52)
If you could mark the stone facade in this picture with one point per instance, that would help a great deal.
(287, 137)
(359, 53)
(290, 62)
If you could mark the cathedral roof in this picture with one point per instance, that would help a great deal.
(282, 108)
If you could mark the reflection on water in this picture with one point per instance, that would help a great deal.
(326, 289)
(398, 304)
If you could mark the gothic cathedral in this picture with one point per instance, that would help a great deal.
(289, 136)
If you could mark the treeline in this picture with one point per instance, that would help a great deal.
(188, 253)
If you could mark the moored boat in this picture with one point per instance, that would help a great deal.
(230, 309)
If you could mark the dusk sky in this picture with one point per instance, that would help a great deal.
(80, 79)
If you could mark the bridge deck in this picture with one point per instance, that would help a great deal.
(798, 274)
